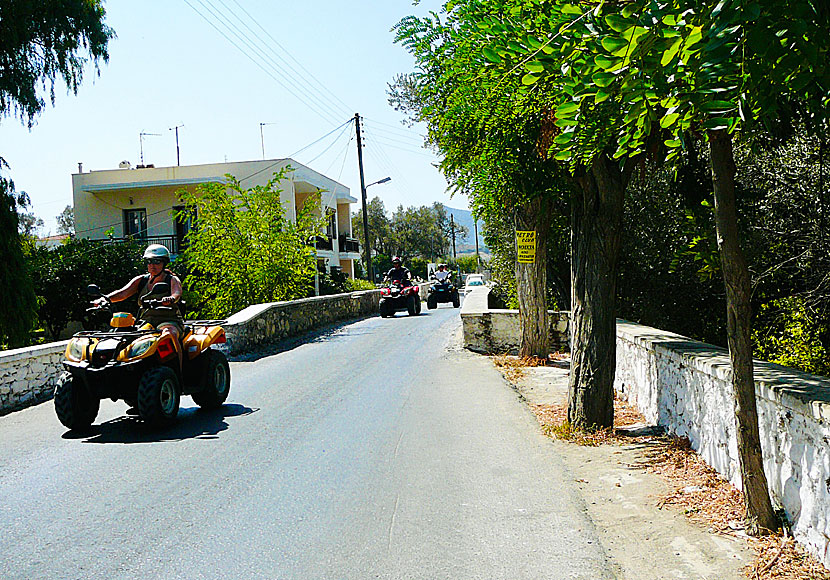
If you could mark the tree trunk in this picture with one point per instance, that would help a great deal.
(760, 517)
(596, 218)
(531, 280)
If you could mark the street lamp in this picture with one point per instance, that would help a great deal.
(369, 272)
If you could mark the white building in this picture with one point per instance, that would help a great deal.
(139, 203)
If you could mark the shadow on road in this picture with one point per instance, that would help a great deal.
(192, 423)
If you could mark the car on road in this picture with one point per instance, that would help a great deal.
(472, 281)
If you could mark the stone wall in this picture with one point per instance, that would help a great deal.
(264, 323)
(28, 375)
(685, 387)
(497, 331)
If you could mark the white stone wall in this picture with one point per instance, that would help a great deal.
(28, 375)
(498, 331)
(685, 386)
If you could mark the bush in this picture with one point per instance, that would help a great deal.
(356, 284)
(788, 333)
(61, 276)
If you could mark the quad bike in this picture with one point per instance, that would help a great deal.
(133, 362)
(440, 292)
(396, 296)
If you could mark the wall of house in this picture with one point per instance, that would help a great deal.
(153, 192)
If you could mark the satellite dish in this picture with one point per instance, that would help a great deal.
(125, 165)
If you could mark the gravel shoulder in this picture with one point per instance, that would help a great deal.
(643, 541)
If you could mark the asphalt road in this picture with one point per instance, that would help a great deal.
(378, 449)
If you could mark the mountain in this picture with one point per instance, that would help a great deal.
(467, 244)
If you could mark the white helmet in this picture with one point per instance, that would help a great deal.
(157, 251)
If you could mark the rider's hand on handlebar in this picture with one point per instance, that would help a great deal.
(168, 300)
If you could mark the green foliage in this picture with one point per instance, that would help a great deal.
(17, 297)
(43, 41)
(790, 334)
(355, 284)
(466, 264)
(66, 221)
(244, 250)
(61, 276)
(334, 283)
(414, 231)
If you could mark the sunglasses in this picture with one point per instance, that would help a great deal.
(155, 261)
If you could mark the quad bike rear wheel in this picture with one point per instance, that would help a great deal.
(215, 382)
(75, 406)
(158, 396)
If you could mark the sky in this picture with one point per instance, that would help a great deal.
(237, 76)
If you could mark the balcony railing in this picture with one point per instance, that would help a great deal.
(321, 242)
(172, 243)
(348, 244)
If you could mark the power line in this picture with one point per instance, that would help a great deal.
(313, 106)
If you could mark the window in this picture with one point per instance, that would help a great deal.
(135, 223)
(183, 226)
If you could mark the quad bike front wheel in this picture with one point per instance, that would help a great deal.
(216, 381)
(432, 302)
(412, 306)
(158, 396)
(456, 300)
(75, 406)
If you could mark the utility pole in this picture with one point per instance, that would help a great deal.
(452, 228)
(368, 261)
(176, 129)
(475, 226)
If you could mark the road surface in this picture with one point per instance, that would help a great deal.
(376, 449)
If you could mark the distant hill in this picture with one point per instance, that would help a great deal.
(465, 218)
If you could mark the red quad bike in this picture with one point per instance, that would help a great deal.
(397, 297)
(133, 362)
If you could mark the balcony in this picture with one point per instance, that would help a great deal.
(172, 243)
(321, 242)
(348, 245)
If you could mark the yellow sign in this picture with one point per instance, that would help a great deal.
(526, 247)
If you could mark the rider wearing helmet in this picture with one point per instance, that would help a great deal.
(169, 321)
(442, 274)
(398, 273)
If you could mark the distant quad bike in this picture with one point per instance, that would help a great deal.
(397, 297)
(440, 292)
(132, 362)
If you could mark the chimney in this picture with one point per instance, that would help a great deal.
(80, 167)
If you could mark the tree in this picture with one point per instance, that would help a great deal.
(66, 221)
(487, 133)
(17, 297)
(40, 41)
(692, 68)
(243, 249)
(61, 276)
(28, 224)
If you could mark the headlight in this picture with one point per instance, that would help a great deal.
(139, 347)
(76, 349)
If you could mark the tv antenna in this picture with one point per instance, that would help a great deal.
(141, 142)
(262, 136)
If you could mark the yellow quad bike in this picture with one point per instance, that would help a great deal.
(133, 362)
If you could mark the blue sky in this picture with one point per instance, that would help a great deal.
(169, 66)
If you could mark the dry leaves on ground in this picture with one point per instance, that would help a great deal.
(698, 490)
